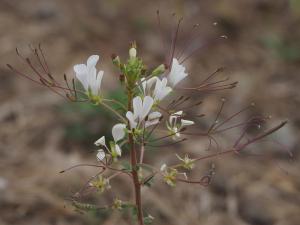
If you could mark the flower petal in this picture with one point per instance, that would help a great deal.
(178, 113)
(154, 115)
(147, 105)
(80, 68)
(92, 78)
(118, 150)
(173, 118)
(177, 73)
(100, 141)
(81, 75)
(161, 90)
(137, 107)
(130, 117)
(163, 167)
(92, 61)
(153, 119)
(118, 131)
(186, 123)
(151, 82)
(100, 155)
(98, 81)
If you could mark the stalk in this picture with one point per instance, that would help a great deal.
(133, 157)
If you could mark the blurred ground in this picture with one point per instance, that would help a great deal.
(41, 134)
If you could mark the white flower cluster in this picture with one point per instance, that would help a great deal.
(153, 90)
(88, 76)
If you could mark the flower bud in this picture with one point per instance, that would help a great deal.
(187, 162)
(159, 70)
(170, 176)
(132, 52)
(116, 60)
(117, 204)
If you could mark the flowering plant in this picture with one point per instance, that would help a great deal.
(152, 103)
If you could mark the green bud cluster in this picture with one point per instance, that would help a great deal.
(132, 70)
(158, 70)
(117, 204)
(187, 162)
(170, 176)
(101, 184)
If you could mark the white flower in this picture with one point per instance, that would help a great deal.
(118, 131)
(177, 73)
(176, 124)
(163, 167)
(161, 90)
(141, 109)
(153, 119)
(148, 85)
(87, 75)
(100, 154)
(100, 141)
(156, 88)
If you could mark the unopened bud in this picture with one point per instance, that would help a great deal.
(117, 204)
(159, 70)
(132, 52)
(115, 60)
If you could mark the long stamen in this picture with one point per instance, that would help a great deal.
(35, 52)
(22, 74)
(233, 116)
(212, 75)
(181, 102)
(44, 58)
(217, 117)
(191, 106)
(188, 41)
(170, 144)
(174, 43)
(175, 101)
(160, 31)
(201, 47)
(218, 87)
(233, 126)
(169, 135)
(80, 165)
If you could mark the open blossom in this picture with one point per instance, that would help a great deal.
(141, 109)
(148, 85)
(175, 124)
(177, 73)
(88, 76)
(100, 141)
(156, 88)
(161, 89)
(118, 133)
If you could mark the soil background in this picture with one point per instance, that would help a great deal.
(41, 134)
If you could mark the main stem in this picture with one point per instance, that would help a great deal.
(133, 156)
